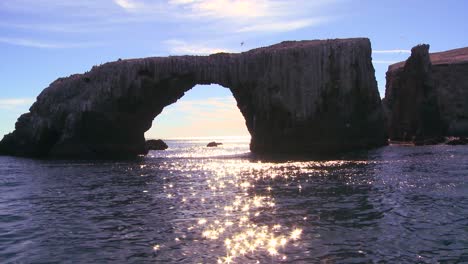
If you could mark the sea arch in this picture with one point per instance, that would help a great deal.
(296, 97)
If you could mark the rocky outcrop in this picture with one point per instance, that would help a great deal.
(156, 144)
(411, 99)
(213, 144)
(457, 141)
(427, 96)
(450, 74)
(305, 96)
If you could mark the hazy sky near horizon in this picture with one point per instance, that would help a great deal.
(42, 40)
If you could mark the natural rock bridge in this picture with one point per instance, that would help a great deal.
(296, 97)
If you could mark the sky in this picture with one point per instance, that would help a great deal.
(42, 40)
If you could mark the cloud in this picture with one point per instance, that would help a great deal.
(194, 106)
(283, 26)
(216, 116)
(60, 28)
(398, 51)
(127, 4)
(239, 9)
(229, 16)
(180, 47)
(226, 8)
(32, 43)
(236, 15)
(177, 2)
(258, 16)
(14, 103)
(384, 61)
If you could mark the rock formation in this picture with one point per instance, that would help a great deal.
(213, 144)
(411, 99)
(156, 144)
(457, 141)
(427, 96)
(296, 97)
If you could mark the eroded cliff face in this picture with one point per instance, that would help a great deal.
(413, 111)
(427, 96)
(296, 97)
(450, 74)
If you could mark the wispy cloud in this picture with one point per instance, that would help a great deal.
(32, 43)
(238, 15)
(13, 103)
(180, 47)
(211, 116)
(193, 106)
(237, 18)
(127, 4)
(397, 51)
(390, 56)
(76, 27)
(384, 61)
(284, 26)
(226, 8)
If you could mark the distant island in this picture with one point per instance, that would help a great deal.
(313, 97)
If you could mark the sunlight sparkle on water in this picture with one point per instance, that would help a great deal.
(230, 193)
(236, 228)
(296, 234)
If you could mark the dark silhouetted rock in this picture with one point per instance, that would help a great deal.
(315, 97)
(428, 141)
(457, 141)
(411, 100)
(426, 97)
(156, 144)
(213, 144)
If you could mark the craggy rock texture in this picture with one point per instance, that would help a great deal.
(296, 97)
(450, 74)
(427, 96)
(411, 99)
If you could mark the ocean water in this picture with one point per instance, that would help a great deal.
(192, 204)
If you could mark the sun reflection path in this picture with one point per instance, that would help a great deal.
(239, 196)
(247, 237)
(236, 226)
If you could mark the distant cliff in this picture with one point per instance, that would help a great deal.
(427, 96)
(296, 97)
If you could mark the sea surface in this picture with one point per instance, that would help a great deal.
(193, 204)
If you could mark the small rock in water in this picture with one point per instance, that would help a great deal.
(156, 144)
(428, 141)
(213, 144)
(458, 141)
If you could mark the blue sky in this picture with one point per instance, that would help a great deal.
(41, 40)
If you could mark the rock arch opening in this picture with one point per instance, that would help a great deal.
(208, 111)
